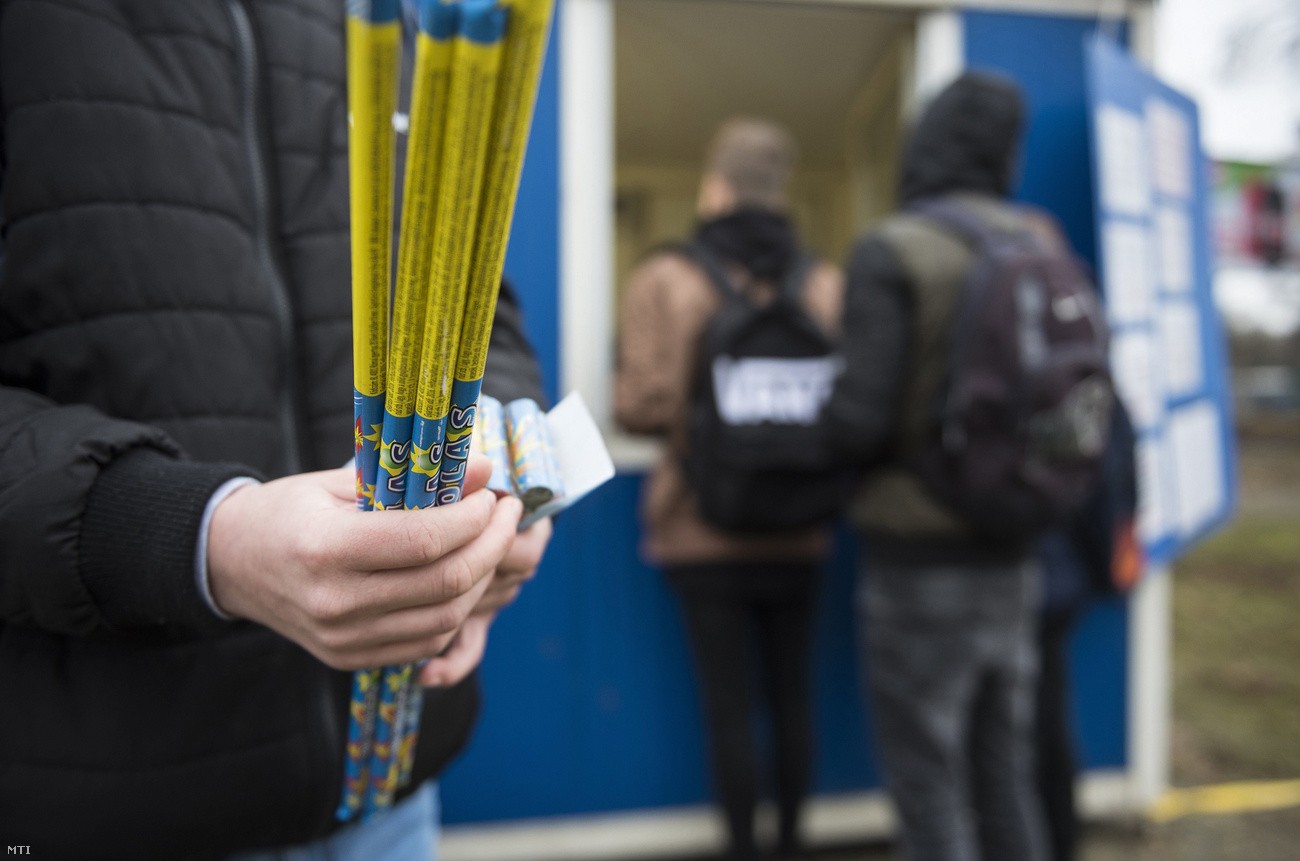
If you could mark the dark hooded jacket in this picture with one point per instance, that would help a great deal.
(903, 282)
(174, 311)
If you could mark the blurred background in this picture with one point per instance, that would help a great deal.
(1187, 691)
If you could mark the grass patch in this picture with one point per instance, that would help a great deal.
(1236, 637)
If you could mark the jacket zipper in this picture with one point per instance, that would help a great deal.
(323, 733)
(256, 148)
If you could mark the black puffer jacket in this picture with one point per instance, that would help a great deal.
(903, 282)
(174, 311)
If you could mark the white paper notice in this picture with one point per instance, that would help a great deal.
(1194, 439)
(1125, 188)
(1138, 377)
(1174, 241)
(1128, 273)
(580, 454)
(1180, 343)
(1171, 149)
(1154, 521)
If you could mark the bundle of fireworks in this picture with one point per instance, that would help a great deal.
(418, 371)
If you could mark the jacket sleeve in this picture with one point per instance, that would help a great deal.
(512, 369)
(863, 411)
(98, 521)
(649, 369)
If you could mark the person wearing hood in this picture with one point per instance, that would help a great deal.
(946, 614)
(748, 600)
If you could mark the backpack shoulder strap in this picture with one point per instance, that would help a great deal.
(796, 277)
(713, 268)
(956, 218)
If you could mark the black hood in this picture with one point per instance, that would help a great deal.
(967, 139)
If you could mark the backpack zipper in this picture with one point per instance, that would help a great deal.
(256, 146)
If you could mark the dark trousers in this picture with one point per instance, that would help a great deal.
(1055, 745)
(750, 629)
(950, 657)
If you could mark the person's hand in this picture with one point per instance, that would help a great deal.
(517, 567)
(356, 589)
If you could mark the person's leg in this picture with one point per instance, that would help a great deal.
(1055, 743)
(1003, 779)
(785, 640)
(921, 664)
(717, 625)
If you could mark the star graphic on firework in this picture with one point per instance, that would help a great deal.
(393, 456)
(425, 461)
(372, 437)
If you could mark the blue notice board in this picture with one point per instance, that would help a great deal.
(1167, 352)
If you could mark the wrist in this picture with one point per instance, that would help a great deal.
(202, 569)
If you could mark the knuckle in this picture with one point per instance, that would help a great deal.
(336, 641)
(314, 548)
(458, 578)
(327, 605)
(428, 538)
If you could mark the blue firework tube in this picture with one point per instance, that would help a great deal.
(394, 461)
(361, 728)
(392, 689)
(490, 431)
(410, 723)
(368, 411)
(373, 61)
(536, 474)
(460, 430)
(427, 453)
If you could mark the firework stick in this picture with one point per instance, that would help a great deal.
(507, 131)
(469, 111)
(434, 47)
(464, 158)
(511, 115)
(430, 84)
(521, 67)
(469, 117)
(373, 58)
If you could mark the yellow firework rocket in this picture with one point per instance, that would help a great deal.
(479, 218)
(434, 46)
(373, 59)
(496, 95)
(475, 66)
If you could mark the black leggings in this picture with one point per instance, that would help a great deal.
(1057, 769)
(751, 626)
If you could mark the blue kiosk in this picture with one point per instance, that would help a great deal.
(590, 745)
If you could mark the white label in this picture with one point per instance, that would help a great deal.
(781, 391)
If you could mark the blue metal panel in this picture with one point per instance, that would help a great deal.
(1044, 54)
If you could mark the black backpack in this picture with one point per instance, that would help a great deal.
(1024, 417)
(758, 459)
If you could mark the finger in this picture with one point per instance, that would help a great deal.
(405, 539)
(525, 554)
(459, 661)
(478, 472)
(498, 596)
(415, 628)
(341, 483)
(456, 574)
